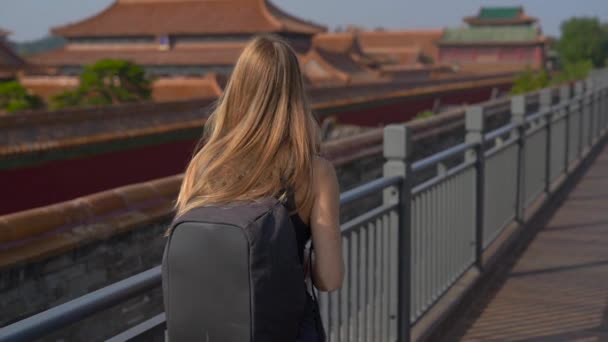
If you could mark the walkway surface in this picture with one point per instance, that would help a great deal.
(558, 288)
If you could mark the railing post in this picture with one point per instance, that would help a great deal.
(589, 109)
(546, 100)
(604, 108)
(579, 92)
(474, 124)
(564, 97)
(605, 98)
(518, 117)
(397, 151)
(596, 98)
(604, 104)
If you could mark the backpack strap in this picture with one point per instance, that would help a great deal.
(287, 198)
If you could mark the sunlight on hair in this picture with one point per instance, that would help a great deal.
(261, 137)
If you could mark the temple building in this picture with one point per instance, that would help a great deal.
(402, 47)
(10, 61)
(173, 37)
(497, 39)
(358, 56)
(337, 59)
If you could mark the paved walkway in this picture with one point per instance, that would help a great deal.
(558, 289)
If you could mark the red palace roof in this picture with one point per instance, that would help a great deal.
(188, 17)
(402, 43)
(337, 57)
(196, 54)
(10, 61)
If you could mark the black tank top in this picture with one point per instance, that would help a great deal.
(302, 230)
(302, 234)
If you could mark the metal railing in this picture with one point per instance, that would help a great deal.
(403, 256)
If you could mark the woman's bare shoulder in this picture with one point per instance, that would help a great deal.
(323, 168)
(324, 175)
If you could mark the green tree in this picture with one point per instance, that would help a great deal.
(583, 39)
(529, 81)
(573, 72)
(14, 97)
(106, 82)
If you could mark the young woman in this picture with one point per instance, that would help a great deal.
(262, 139)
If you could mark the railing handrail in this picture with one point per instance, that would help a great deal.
(441, 156)
(75, 310)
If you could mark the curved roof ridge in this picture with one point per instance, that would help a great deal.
(158, 17)
(281, 14)
(340, 42)
(414, 30)
(59, 30)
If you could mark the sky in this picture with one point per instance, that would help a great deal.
(32, 19)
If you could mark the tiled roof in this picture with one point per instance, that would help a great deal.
(500, 16)
(397, 41)
(146, 17)
(337, 42)
(163, 89)
(208, 54)
(497, 34)
(395, 56)
(47, 86)
(499, 12)
(32, 235)
(179, 88)
(10, 61)
(337, 56)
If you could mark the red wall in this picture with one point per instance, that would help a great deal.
(405, 110)
(61, 180)
(485, 54)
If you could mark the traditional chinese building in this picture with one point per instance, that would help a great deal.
(403, 47)
(337, 59)
(174, 37)
(10, 61)
(498, 38)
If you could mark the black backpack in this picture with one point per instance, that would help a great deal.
(232, 273)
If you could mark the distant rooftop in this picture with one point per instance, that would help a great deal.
(500, 16)
(187, 17)
(10, 61)
(492, 34)
(499, 12)
(401, 42)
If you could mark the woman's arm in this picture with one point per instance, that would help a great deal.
(328, 266)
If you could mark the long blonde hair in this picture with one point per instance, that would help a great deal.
(261, 138)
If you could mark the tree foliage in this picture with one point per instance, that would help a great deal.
(530, 80)
(14, 97)
(106, 82)
(573, 71)
(583, 39)
(582, 46)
